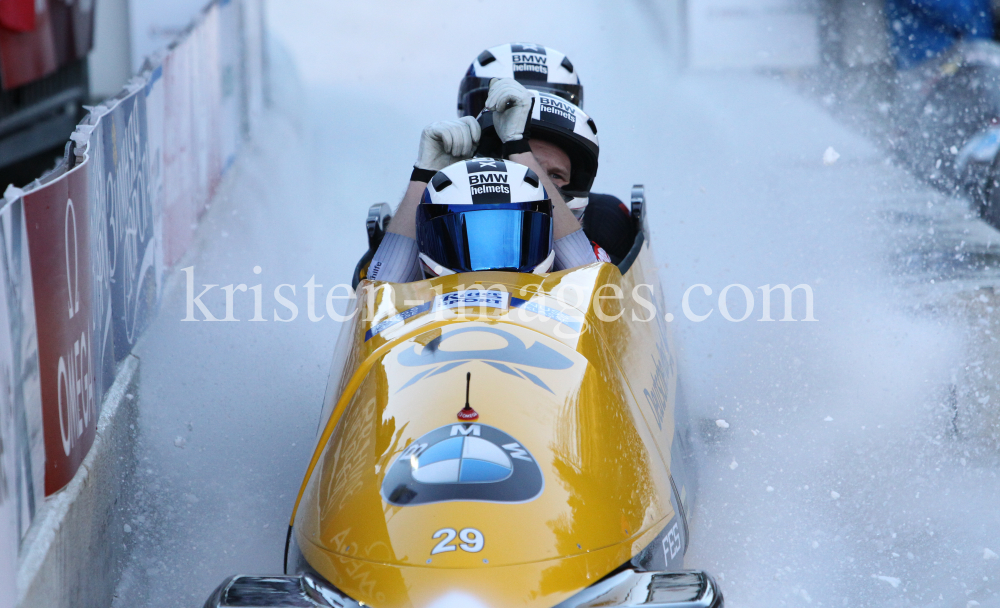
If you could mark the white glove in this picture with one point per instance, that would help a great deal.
(511, 105)
(446, 142)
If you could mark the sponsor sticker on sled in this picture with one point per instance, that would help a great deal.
(473, 298)
(672, 543)
(396, 320)
(546, 311)
(463, 462)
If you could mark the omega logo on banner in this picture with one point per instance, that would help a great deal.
(76, 397)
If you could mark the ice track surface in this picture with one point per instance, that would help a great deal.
(844, 478)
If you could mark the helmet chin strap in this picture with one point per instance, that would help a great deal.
(433, 268)
(546, 264)
(576, 201)
(578, 206)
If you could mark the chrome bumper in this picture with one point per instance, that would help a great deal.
(688, 589)
(304, 591)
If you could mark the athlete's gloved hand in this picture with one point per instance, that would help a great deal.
(511, 105)
(446, 142)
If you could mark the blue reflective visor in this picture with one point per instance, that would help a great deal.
(515, 237)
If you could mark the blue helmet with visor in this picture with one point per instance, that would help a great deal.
(485, 214)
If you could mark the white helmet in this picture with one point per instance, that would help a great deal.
(558, 122)
(537, 67)
(485, 214)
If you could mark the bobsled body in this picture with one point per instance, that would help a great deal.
(496, 439)
(574, 467)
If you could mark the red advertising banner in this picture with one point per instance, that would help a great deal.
(17, 15)
(27, 55)
(39, 36)
(57, 216)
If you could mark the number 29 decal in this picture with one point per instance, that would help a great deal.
(472, 540)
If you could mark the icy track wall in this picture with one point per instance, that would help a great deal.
(83, 254)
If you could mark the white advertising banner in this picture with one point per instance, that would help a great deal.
(19, 351)
(253, 62)
(230, 126)
(9, 533)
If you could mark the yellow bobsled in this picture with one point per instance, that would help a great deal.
(497, 439)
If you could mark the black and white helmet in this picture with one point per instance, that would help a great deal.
(485, 214)
(537, 67)
(561, 123)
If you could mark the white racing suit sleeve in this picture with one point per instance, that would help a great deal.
(395, 260)
(573, 250)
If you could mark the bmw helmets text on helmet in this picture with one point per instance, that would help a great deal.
(484, 181)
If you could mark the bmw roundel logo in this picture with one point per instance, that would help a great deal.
(473, 462)
(462, 460)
